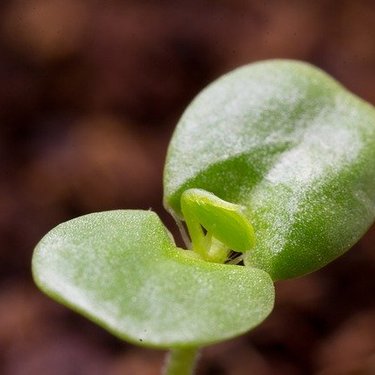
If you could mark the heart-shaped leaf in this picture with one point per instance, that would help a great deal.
(288, 142)
(122, 270)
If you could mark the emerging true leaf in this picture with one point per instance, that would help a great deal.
(223, 220)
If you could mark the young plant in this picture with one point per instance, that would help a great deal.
(271, 167)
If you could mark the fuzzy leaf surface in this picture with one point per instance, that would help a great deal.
(122, 270)
(294, 147)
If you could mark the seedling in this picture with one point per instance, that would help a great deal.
(272, 170)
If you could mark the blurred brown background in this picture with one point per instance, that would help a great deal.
(90, 92)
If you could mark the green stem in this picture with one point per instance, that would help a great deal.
(198, 240)
(181, 361)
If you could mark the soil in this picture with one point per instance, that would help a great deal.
(90, 92)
